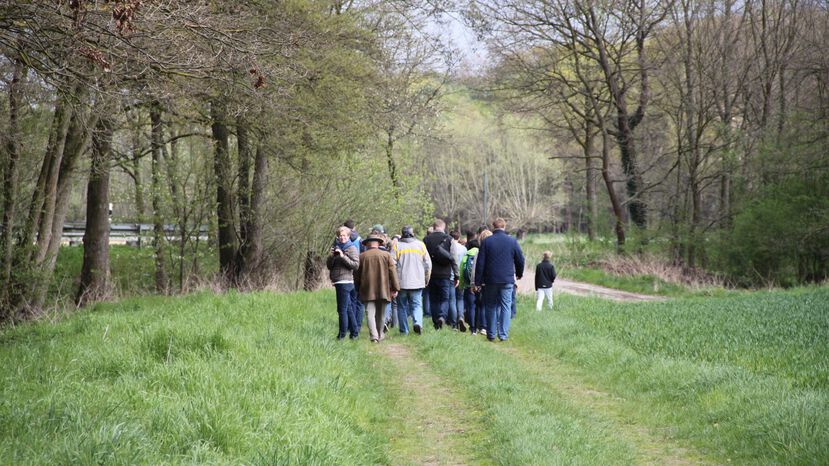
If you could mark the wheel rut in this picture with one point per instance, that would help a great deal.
(653, 446)
(438, 425)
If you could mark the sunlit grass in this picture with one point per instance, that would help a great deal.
(254, 379)
(260, 379)
(745, 378)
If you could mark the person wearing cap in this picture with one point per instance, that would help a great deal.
(342, 263)
(444, 271)
(499, 262)
(376, 280)
(413, 269)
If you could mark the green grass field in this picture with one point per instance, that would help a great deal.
(260, 379)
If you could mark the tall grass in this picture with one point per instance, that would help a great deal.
(260, 379)
(238, 379)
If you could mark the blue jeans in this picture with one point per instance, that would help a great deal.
(514, 308)
(498, 302)
(480, 312)
(427, 308)
(357, 307)
(409, 303)
(345, 311)
(455, 306)
(439, 298)
(470, 313)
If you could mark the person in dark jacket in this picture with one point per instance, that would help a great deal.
(444, 269)
(498, 264)
(545, 275)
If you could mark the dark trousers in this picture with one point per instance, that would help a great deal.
(357, 308)
(471, 310)
(345, 311)
(439, 298)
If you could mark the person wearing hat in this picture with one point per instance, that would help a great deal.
(376, 280)
(390, 316)
(413, 268)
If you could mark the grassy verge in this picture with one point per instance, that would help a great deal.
(580, 260)
(237, 379)
(643, 284)
(260, 379)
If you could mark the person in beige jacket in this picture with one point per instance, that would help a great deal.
(377, 283)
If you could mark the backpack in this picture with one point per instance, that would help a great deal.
(468, 268)
(440, 254)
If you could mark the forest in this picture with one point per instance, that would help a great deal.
(694, 132)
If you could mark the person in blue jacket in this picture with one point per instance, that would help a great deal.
(500, 261)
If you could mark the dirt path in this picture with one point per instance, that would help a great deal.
(527, 285)
(653, 446)
(439, 426)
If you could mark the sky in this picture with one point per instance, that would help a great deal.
(473, 51)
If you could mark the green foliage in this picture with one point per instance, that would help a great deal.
(132, 270)
(782, 237)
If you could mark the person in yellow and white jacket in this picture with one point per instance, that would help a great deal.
(414, 268)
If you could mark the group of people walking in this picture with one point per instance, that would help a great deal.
(466, 284)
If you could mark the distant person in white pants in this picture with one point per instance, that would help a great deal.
(545, 275)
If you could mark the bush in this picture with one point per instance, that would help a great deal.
(782, 238)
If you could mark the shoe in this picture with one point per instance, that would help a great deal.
(353, 337)
(374, 340)
(490, 339)
(474, 332)
(385, 326)
(441, 321)
(461, 325)
(417, 329)
(483, 331)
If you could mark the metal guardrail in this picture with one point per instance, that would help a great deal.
(133, 234)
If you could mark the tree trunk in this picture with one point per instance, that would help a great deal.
(180, 209)
(10, 187)
(140, 205)
(224, 196)
(611, 192)
(395, 181)
(243, 192)
(54, 150)
(253, 246)
(312, 270)
(159, 240)
(77, 140)
(625, 121)
(94, 284)
(627, 148)
(590, 183)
